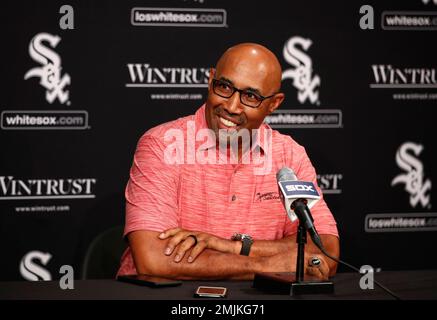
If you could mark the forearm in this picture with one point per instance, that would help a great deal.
(148, 253)
(259, 248)
(286, 246)
(149, 258)
(265, 248)
(210, 264)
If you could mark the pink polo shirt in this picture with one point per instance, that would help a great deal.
(219, 199)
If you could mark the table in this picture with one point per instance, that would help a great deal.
(418, 284)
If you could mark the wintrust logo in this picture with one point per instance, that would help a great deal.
(50, 70)
(330, 183)
(32, 189)
(410, 81)
(146, 76)
(302, 74)
(32, 271)
(387, 76)
(413, 178)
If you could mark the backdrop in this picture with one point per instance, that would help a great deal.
(81, 83)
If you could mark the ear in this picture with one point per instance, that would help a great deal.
(276, 102)
(211, 76)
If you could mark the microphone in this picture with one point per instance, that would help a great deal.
(298, 197)
(286, 174)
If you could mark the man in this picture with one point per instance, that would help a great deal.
(221, 220)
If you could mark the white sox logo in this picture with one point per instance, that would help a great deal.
(301, 74)
(50, 72)
(413, 178)
(32, 271)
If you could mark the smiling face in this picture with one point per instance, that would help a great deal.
(247, 67)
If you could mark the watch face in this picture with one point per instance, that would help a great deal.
(246, 237)
(241, 236)
(236, 236)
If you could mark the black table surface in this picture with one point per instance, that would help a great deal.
(417, 284)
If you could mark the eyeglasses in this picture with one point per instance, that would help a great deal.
(247, 97)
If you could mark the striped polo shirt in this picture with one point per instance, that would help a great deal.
(219, 198)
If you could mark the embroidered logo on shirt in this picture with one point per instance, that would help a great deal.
(266, 196)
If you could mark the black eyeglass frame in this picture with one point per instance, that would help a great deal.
(215, 81)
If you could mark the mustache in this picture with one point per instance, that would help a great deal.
(219, 111)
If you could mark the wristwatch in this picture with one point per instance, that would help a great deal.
(246, 241)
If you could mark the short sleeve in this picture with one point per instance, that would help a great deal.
(152, 190)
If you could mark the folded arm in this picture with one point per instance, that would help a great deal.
(148, 254)
(148, 251)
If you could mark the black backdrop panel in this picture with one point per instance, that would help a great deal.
(61, 185)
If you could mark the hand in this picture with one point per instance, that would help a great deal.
(317, 266)
(182, 241)
(286, 262)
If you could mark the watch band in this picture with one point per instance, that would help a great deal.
(246, 242)
(245, 248)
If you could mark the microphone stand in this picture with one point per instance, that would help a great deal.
(301, 240)
(293, 283)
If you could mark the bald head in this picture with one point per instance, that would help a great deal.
(261, 60)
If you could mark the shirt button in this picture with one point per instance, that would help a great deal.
(234, 197)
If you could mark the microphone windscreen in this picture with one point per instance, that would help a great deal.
(285, 174)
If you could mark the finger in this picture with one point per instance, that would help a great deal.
(183, 247)
(174, 241)
(201, 245)
(168, 233)
(317, 266)
(317, 272)
(323, 268)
